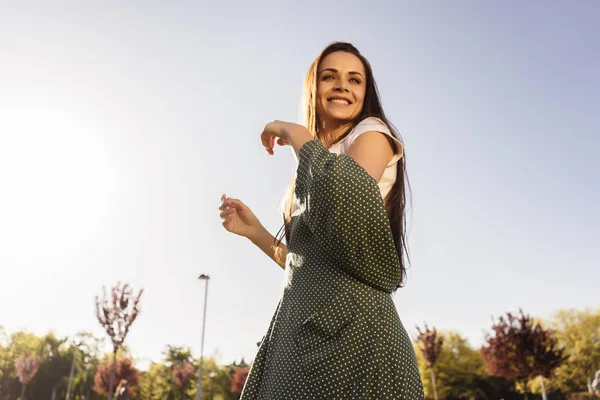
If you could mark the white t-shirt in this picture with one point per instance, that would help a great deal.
(373, 124)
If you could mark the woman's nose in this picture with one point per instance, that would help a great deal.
(341, 85)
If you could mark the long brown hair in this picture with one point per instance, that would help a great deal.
(122, 384)
(395, 201)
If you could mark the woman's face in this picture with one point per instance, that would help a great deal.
(341, 87)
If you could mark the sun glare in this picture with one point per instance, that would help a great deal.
(58, 185)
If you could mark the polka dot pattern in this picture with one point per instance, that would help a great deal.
(335, 333)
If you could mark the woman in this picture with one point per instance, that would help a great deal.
(336, 333)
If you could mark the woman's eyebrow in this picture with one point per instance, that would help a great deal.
(328, 69)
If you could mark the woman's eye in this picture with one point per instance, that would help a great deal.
(326, 77)
(356, 80)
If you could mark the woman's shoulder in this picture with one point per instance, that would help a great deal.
(372, 124)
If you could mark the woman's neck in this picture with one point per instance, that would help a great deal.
(329, 133)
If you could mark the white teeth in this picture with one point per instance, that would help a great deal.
(340, 101)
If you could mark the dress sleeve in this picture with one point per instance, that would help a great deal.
(377, 125)
(342, 206)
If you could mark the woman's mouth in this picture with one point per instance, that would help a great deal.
(340, 101)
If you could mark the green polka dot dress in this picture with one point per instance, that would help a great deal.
(336, 333)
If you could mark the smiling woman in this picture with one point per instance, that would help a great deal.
(335, 333)
(58, 184)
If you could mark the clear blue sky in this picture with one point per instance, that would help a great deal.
(122, 124)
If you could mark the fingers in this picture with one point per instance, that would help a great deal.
(236, 204)
(271, 145)
(227, 217)
(228, 202)
(228, 225)
(267, 141)
(223, 199)
(227, 213)
(272, 133)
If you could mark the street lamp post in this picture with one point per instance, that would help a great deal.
(212, 385)
(205, 278)
(71, 374)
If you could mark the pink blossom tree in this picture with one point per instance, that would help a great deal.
(116, 314)
(26, 367)
(430, 345)
(183, 375)
(125, 370)
(518, 349)
(239, 379)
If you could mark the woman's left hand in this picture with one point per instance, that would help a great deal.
(284, 133)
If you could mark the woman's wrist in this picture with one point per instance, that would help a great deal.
(255, 234)
(299, 138)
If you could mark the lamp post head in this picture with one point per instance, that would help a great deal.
(204, 277)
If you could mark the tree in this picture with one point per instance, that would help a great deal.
(156, 383)
(430, 345)
(460, 371)
(175, 357)
(520, 349)
(26, 367)
(16, 345)
(55, 362)
(4, 356)
(116, 315)
(239, 379)
(55, 359)
(125, 369)
(183, 374)
(216, 380)
(86, 348)
(578, 331)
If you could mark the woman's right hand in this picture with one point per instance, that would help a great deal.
(238, 218)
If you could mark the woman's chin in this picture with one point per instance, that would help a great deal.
(340, 117)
